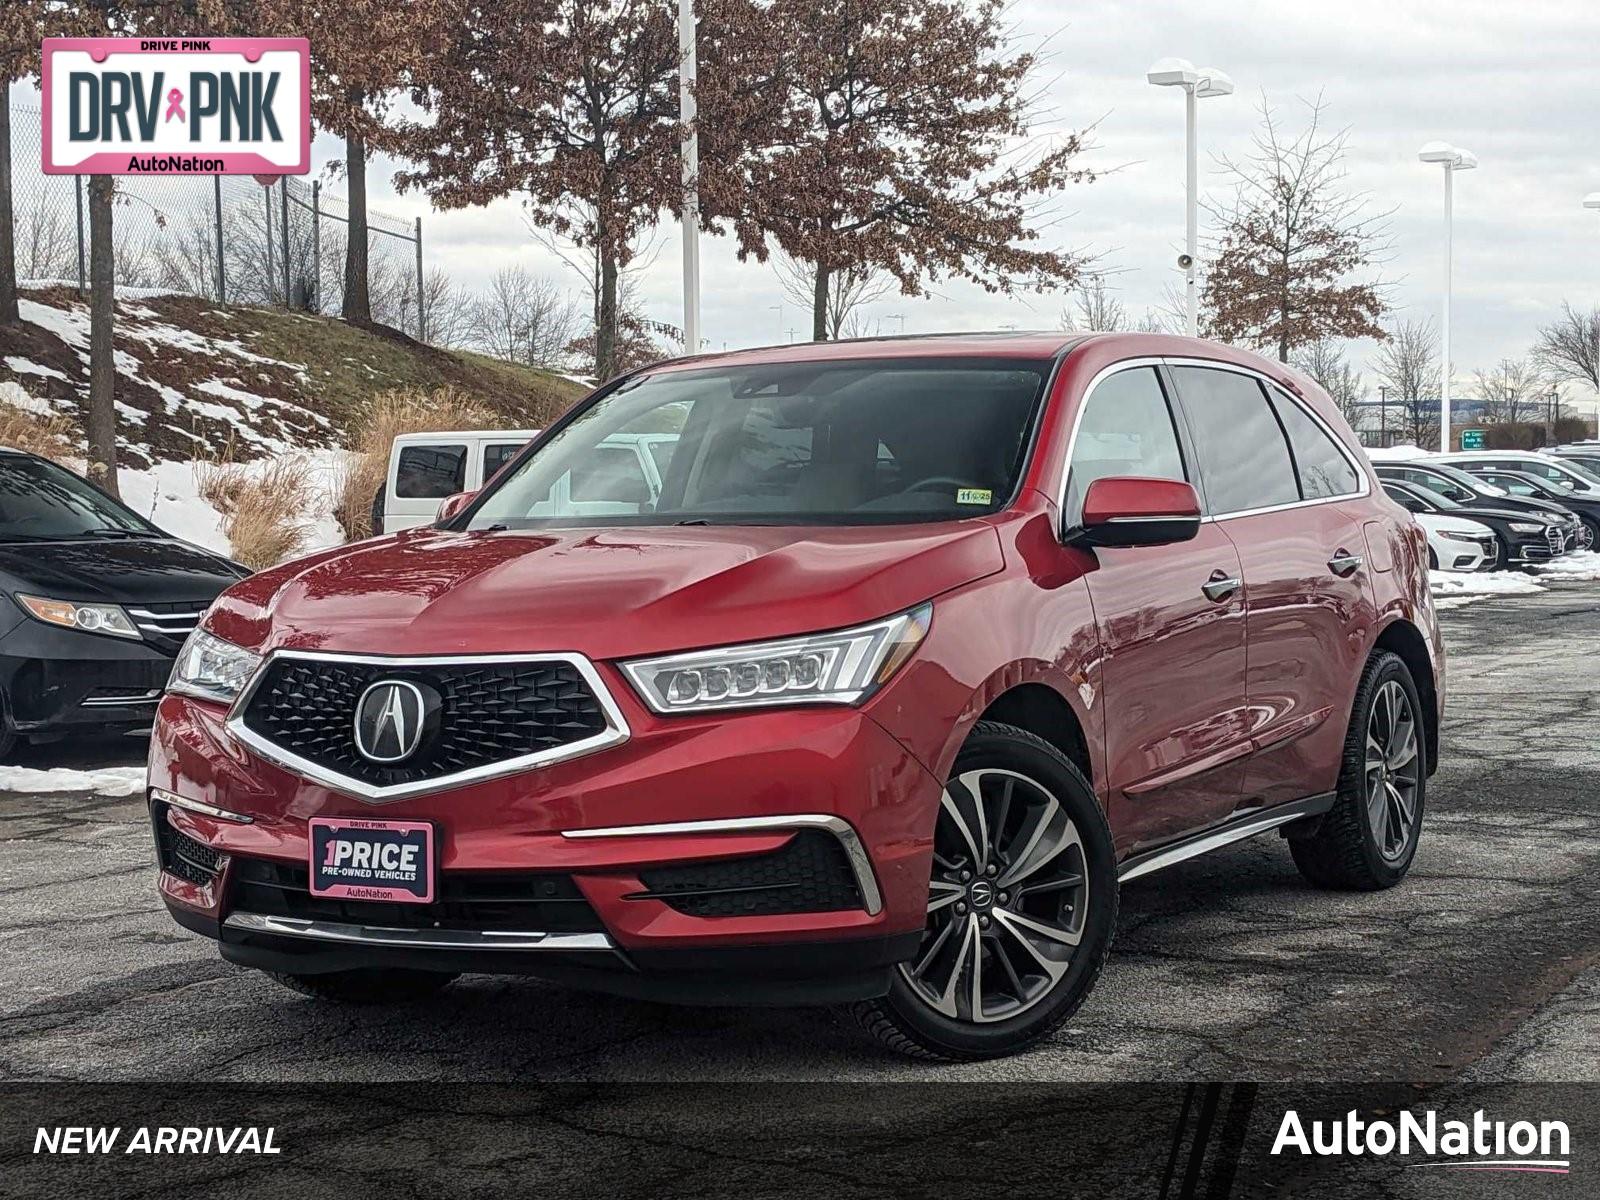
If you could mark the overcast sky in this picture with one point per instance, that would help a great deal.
(1516, 84)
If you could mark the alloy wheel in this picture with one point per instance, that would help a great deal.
(1008, 900)
(1393, 770)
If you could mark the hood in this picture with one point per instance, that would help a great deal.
(1521, 504)
(1494, 512)
(607, 593)
(131, 571)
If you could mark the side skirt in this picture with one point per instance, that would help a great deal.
(1236, 828)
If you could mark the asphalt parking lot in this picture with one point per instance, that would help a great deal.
(1485, 964)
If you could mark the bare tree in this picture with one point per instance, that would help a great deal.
(850, 288)
(525, 318)
(449, 309)
(1408, 365)
(1512, 392)
(1298, 245)
(1569, 348)
(1325, 362)
(44, 244)
(1094, 308)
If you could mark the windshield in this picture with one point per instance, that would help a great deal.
(846, 443)
(1471, 482)
(1582, 473)
(40, 501)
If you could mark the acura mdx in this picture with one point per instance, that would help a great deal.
(923, 649)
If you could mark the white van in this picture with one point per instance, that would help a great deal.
(624, 476)
(424, 468)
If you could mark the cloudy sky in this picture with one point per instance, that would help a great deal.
(1516, 84)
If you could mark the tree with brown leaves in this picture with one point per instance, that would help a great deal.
(1294, 261)
(364, 53)
(570, 104)
(878, 137)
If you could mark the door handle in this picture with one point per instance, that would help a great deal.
(1220, 586)
(1344, 563)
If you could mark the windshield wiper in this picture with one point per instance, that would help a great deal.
(109, 531)
(693, 521)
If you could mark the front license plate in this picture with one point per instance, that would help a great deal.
(372, 860)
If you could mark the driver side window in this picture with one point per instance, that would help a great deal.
(1126, 429)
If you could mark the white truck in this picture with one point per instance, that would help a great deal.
(424, 468)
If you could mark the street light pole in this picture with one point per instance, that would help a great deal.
(691, 181)
(1198, 83)
(1452, 159)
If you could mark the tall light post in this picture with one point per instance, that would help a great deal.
(1198, 83)
(1452, 159)
(691, 181)
(1592, 200)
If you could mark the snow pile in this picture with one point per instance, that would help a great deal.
(103, 781)
(1452, 589)
(1579, 565)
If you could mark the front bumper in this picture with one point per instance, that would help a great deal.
(59, 681)
(680, 793)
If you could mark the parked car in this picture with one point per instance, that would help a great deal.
(1522, 538)
(1585, 454)
(924, 649)
(1455, 543)
(97, 602)
(424, 468)
(1470, 491)
(1566, 474)
(1529, 486)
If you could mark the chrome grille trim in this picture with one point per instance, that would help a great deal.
(434, 939)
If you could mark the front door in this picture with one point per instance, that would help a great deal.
(1172, 632)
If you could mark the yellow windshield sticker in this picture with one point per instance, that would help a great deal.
(975, 496)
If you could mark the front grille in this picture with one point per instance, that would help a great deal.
(1556, 541)
(490, 712)
(167, 624)
(519, 901)
(811, 873)
(182, 856)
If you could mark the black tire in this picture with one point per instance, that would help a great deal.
(1593, 527)
(1433, 560)
(367, 988)
(1343, 852)
(1503, 563)
(904, 1020)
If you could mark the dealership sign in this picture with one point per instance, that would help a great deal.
(177, 106)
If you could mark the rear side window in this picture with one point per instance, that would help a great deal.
(1324, 470)
(1406, 500)
(1244, 456)
(431, 472)
(497, 455)
(1126, 429)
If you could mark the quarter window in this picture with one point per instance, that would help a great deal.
(1126, 429)
(1244, 456)
(1324, 470)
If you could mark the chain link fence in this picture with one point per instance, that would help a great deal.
(225, 237)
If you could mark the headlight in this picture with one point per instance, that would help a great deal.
(1527, 527)
(211, 668)
(90, 618)
(1460, 535)
(825, 668)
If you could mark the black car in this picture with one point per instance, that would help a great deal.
(1524, 537)
(1531, 487)
(1453, 483)
(97, 602)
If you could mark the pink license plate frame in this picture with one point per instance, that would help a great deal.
(358, 858)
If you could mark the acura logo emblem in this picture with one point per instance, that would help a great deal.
(392, 716)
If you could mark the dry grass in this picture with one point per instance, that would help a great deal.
(265, 507)
(391, 414)
(47, 436)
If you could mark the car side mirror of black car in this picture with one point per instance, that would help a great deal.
(1134, 510)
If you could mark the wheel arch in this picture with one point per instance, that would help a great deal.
(1402, 638)
(1044, 712)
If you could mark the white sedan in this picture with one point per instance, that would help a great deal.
(1457, 544)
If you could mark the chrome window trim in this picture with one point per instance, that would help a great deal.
(615, 733)
(1127, 364)
(433, 939)
(860, 863)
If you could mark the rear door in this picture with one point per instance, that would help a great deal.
(1171, 622)
(421, 474)
(1289, 496)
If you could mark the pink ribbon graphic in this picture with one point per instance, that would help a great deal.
(175, 105)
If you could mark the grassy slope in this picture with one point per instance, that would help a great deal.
(184, 399)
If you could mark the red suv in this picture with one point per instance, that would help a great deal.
(900, 657)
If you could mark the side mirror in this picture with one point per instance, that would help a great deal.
(1131, 510)
(451, 505)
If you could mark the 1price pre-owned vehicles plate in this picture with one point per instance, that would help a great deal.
(921, 648)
